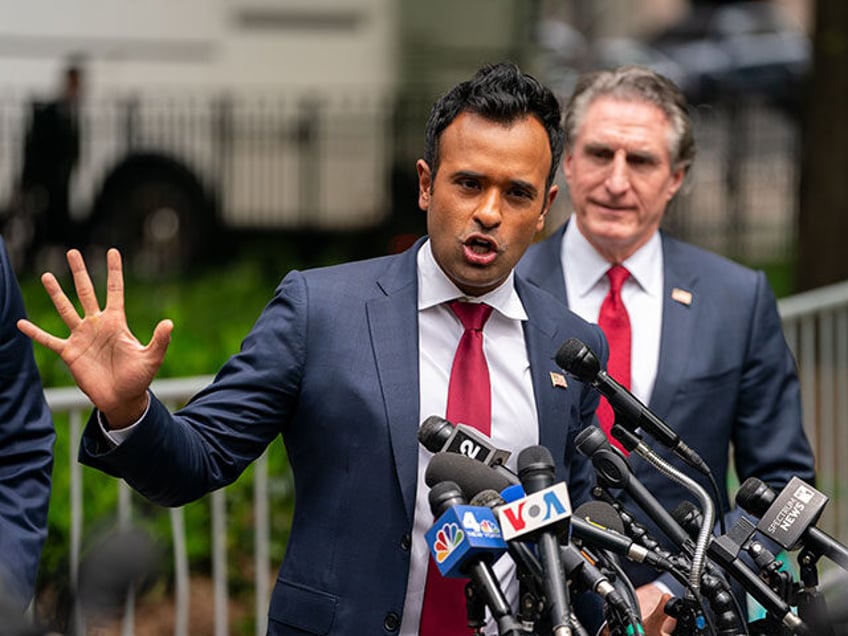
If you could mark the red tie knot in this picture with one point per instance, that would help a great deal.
(472, 315)
(617, 274)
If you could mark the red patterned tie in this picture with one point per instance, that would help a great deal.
(443, 612)
(615, 324)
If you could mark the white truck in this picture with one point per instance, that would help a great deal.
(199, 115)
(207, 118)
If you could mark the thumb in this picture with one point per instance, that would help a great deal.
(161, 338)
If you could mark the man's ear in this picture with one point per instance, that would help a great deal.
(676, 181)
(424, 184)
(552, 195)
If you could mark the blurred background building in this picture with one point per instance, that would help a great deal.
(203, 122)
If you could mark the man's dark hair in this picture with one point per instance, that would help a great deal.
(501, 93)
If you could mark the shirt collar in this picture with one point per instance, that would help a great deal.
(587, 266)
(435, 288)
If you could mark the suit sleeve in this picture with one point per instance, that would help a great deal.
(769, 439)
(26, 450)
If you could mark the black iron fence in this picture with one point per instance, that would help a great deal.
(162, 175)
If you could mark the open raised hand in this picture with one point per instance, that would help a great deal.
(107, 361)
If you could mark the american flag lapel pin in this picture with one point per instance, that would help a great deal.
(682, 296)
(558, 380)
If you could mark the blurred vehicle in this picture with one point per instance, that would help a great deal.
(563, 51)
(739, 50)
(613, 52)
(202, 123)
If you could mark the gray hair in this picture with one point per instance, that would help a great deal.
(635, 83)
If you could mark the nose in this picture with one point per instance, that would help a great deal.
(488, 213)
(618, 179)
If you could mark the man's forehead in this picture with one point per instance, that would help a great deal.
(613, 122)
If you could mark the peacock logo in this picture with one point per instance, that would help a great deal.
(489, 527)
(448, 539)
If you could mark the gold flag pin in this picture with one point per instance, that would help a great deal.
(558, 380)
(682, 296)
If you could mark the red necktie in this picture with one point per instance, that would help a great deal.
(615, 324)
(443, 611)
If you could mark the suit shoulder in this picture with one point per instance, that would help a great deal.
(708, 264)
(543, 306)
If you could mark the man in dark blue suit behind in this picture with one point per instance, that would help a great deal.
(346, 361)
(26, 453)
(708, 353)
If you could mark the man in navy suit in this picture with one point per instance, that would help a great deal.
(708, 352)
(26, 453)
(346, 361)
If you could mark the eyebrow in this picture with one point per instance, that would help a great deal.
(643, 155)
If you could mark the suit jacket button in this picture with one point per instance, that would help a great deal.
(405, 542)
(392, 622)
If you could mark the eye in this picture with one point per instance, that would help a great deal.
(601, 154)
(468, 183)
(641, 161)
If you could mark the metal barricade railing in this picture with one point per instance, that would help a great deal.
(816, 327)
(174, 393)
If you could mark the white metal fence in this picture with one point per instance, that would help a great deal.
(816, 326)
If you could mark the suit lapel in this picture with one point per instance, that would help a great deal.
(393, 325)
(543, 340)
(680, 306)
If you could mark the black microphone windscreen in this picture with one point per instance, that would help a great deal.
(443, 495)
(471, 476)
(578, 359)
(591, 439)
(535, 458)
(124, 560)
(434, 433)
(689, 516)
(602, 514)
(755, 496)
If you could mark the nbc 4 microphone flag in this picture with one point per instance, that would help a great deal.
(463, 532)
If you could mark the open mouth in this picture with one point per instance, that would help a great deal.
(480, 251)
(480, 246)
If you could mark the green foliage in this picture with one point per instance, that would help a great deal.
(212, 312)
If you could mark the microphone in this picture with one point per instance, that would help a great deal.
(471, 476)
(597, 524)
(586, 575)
(545, 505)
(724, 550)
(614, 471)
(464, 542)
(437, 434)
(580, 361)
(789, 517)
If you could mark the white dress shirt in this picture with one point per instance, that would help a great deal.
(514, 417)
(586, 285)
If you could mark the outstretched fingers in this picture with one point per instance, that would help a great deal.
(114, 281)
(64, 307)
(40, 336)
(83, 284)
(160, 339)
